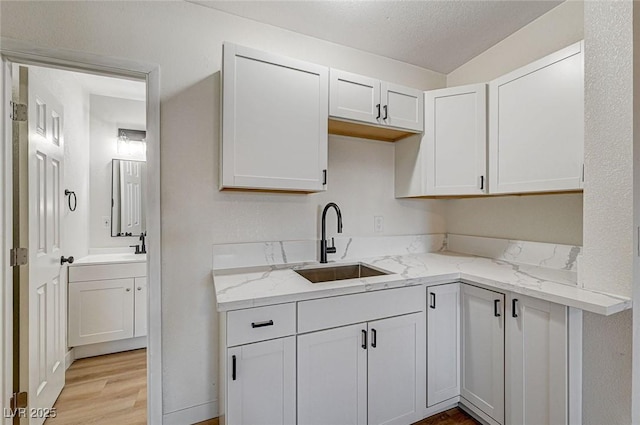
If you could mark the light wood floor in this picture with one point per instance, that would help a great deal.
(112, 389)
(104, 390)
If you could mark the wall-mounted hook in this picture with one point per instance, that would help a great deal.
(69, 194)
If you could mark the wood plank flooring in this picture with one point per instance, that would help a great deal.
(104, 390)
(112, 389)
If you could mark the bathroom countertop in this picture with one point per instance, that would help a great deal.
(126, 257)
(258, 286)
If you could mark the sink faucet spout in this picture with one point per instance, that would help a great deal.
(324, 249)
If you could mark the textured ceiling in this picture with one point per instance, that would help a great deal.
(437, 35)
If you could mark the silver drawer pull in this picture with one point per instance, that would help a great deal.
(262, 324)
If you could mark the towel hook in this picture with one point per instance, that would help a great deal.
(70, 193)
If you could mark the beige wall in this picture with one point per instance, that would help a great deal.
(607, 264)
(544, 218)
(186, 40)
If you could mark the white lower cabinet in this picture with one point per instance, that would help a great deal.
(332, 376)
(335, 361)
(536, 368)
(514, 357)
(100, 311)
(366, 373)
(482, 331)
(107, 302)
(140, 308)
(443, 343)
(262, 383)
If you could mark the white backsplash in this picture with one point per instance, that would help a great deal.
(548, 255)
(227, 256)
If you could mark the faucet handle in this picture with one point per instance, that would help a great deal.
(331, 249)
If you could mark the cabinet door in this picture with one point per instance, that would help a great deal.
(100, 311)
(261, 383)
(332, 376)
(536, 125)
(483, 350)
(443, 343)
(456, 140)
(274, 122)
(402, 107)
(354, 97)
(140, 308)
(396, 362)
(536, 362)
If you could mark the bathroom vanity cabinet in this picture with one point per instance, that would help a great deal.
(107, 302)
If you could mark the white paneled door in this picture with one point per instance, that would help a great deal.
(45, 299)
(131, 190)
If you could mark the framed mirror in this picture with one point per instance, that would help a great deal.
(128, 181)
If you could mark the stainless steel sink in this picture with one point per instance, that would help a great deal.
(342, 272)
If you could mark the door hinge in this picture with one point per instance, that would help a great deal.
(18, 401)
(18, 257)
(18, 111)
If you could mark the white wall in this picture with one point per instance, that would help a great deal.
(185, 40)
(608, 206)
(108, 114)
(545, 218)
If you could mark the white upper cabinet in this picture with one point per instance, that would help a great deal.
(455, 140)
(536, 125)
(274, 122)
(354, 97)
(367, 100)
(402, 107)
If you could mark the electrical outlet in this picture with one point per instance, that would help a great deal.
(378, 224)
(106, 222)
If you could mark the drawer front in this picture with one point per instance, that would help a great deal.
(106, 271)
(327, 313)
(260, 323)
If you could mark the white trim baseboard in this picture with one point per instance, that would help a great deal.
(192, 415)
(101, 348)
(69, 358)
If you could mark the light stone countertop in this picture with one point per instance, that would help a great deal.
(259, 286)
(94, 259)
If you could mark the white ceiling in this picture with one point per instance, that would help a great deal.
(437, 35)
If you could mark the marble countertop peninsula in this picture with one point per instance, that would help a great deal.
(246, 287)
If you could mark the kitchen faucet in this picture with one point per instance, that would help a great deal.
(324, 249)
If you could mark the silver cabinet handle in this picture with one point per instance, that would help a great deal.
(139, 288)
(128, 289)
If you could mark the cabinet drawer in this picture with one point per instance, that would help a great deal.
(106, 271)
(339, 311)
(260, 323)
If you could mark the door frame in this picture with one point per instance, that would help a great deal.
(16, 51)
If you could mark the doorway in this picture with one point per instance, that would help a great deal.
(55, 123)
